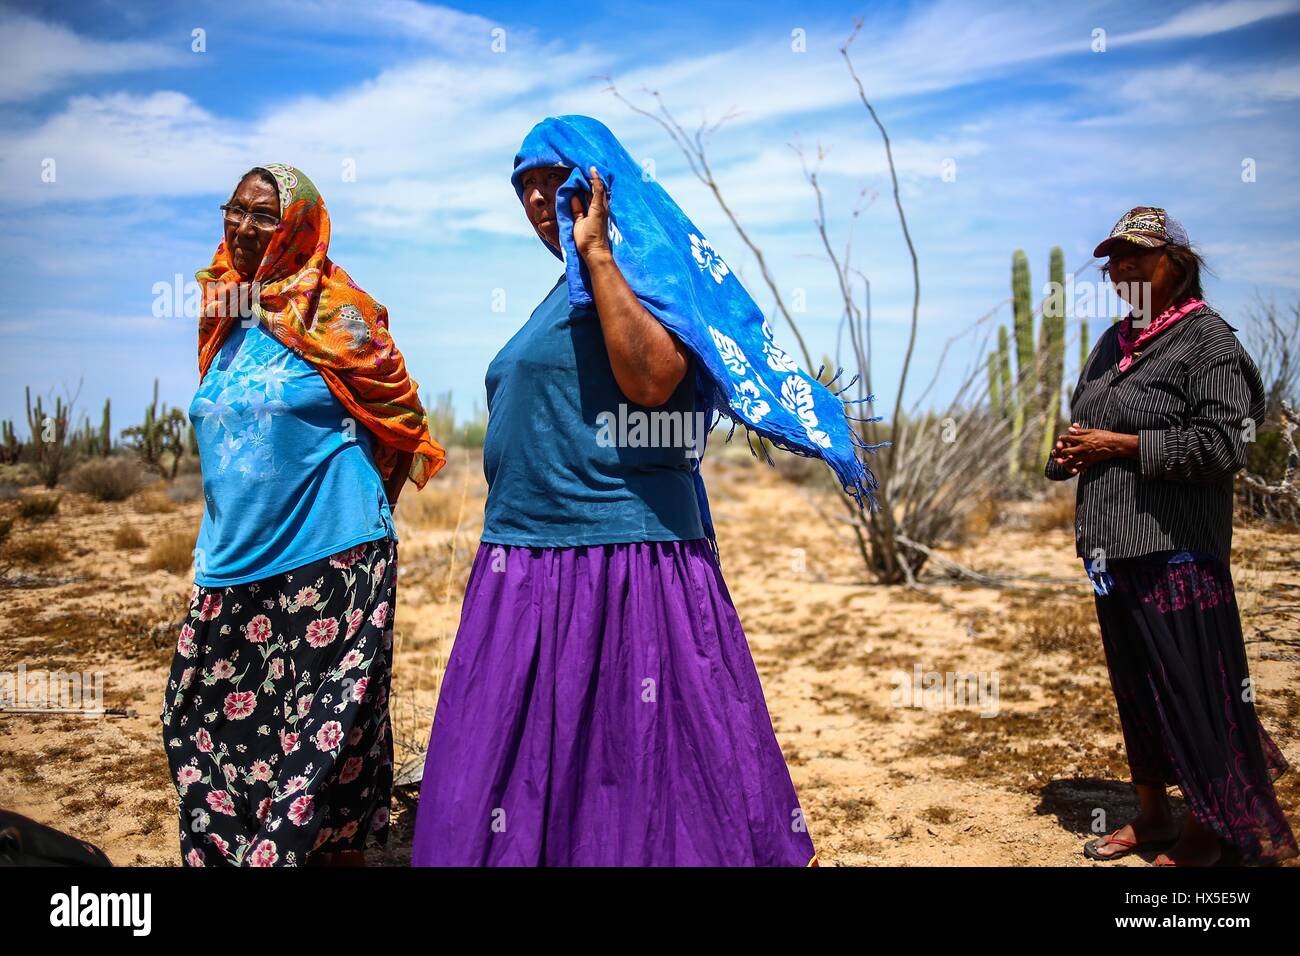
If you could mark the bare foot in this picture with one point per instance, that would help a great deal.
(1140, 830)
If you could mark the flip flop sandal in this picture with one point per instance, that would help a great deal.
(1092, 849)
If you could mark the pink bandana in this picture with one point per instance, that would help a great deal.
(1131, 345)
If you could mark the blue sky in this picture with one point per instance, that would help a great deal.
(1050, 142)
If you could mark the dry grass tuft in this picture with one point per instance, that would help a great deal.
(1060, 625)
(127, 537)
(1054, 512)
(38, 507)
(172, 552)
(153, 501)
(35, 550)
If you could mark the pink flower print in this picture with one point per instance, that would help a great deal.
(223, 669)
(325, 834)
(359, 688)
(351, 770)
(306, 597)
(264, 810)
(379, 569)
(354, 621)
(260, 770)
(379, 615)
(231, 772)
(194, 858)
(354, 737)
(329, 736)
(300, 811)
(194, 594)
(304, 705)
(211, 607)
(264, 855)
(203, 740)
(187, 677)
(350, 660)
(294, 784)
(277, 668)
(220, 802)
(322, 632)
(345, 559)
(188, 775)
(288, 742)
(239, 704)
(258, 630)
(222, 846)
(347, 831)
(379, 819)
(185, 645)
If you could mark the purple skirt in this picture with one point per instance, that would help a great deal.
(601, 708)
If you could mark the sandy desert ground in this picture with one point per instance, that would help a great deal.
(881, 785)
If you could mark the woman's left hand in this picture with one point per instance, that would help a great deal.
(1080, 448)
(591, 226)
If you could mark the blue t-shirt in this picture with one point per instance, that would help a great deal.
(288, 476)
(569, 460)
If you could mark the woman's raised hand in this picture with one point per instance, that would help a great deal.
(591, 226)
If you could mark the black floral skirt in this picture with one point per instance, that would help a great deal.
(275, 717)
(1186, 701)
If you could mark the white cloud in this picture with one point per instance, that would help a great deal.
(1207, 19)
(40, 56)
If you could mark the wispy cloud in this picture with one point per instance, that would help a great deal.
(40, 56)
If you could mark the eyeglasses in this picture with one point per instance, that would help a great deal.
(235, 215)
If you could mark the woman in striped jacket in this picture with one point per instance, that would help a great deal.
(1162, 415)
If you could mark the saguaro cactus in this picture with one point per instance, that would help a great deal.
(106, 431)
(49, 437)
(162, 431)
(1023, 327)
(10, 447)
(1052, 354)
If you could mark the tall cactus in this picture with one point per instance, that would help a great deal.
(1023, 326)
(1085, 344)
(10, 447)
(1052, 358)
(49, 437)
(106, 431)
(162, 431)
(995, 399)
(1004, 369)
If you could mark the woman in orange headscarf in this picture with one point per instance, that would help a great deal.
(276, 713)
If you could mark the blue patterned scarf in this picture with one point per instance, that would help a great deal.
(682, 280)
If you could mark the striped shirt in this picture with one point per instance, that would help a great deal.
(1193, 397)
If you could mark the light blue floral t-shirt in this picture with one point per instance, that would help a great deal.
(288, 475)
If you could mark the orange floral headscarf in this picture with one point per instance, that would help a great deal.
(314, 308)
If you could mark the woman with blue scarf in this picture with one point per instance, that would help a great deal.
(601, 706)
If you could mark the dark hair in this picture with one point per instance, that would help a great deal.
(261, 174)
(1189, 264)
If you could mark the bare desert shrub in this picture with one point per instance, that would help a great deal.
(108, 479)
(172, 552)
(39, 507)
